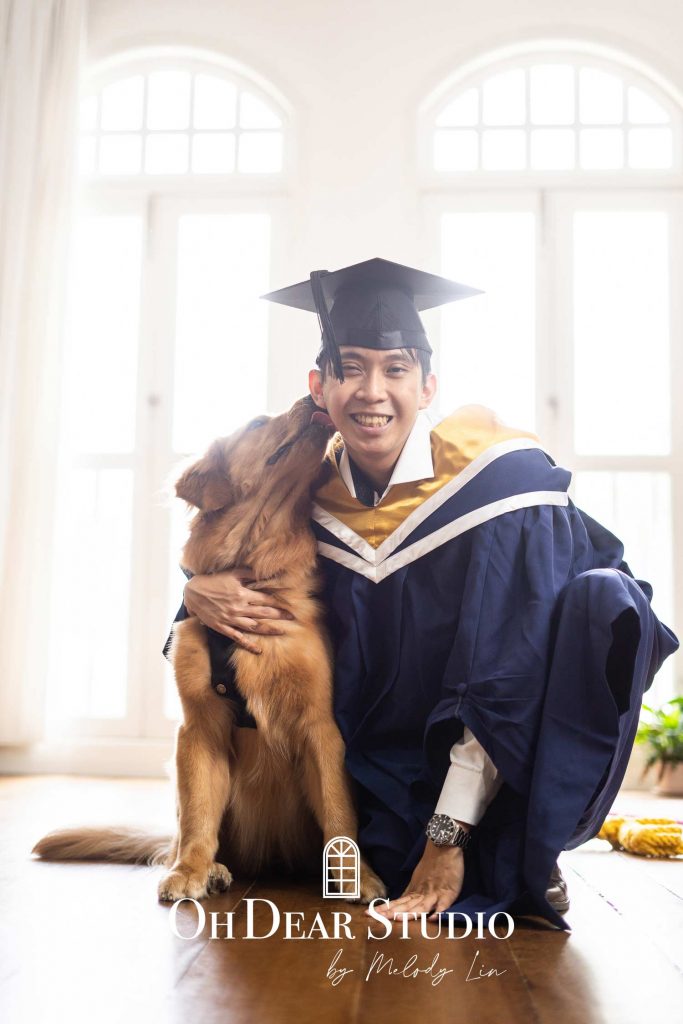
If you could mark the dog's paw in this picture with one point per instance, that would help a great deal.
(183, 882)
(371, 885)
(219, 879)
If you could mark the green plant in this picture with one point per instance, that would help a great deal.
(662, 731)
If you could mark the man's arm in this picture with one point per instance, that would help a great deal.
(471, 782)
(223, 601)
(470, 785)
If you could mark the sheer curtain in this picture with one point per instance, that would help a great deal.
(40, 46)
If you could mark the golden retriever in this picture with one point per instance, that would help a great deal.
(270, 795)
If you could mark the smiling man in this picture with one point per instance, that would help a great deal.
(491, 646)
(375, 408)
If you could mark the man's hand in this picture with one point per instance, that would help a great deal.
(222, 602)
(436, 883)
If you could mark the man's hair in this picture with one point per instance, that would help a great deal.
(415, 355)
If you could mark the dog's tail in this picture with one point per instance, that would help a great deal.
(119, 845)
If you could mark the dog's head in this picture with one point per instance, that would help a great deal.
(265, 453)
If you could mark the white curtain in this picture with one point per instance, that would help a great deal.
(40, 48)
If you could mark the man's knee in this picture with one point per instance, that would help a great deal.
(611, 599)
(598, 581)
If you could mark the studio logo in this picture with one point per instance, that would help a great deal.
(341, 868)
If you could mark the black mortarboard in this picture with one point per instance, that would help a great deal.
(372, 305)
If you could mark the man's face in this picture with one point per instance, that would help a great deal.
(374, 409)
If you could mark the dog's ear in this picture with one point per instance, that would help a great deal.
(206, 483)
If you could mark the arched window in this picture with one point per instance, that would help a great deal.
(172, 114)
(529, 158)
(185, 160)
(559, 114)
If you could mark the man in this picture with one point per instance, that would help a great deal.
(491, 647)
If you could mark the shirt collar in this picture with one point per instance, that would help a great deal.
(415, 461)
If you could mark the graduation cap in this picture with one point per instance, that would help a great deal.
(373, 304)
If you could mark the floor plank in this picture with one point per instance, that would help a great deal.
(605, 971)
(84, 941)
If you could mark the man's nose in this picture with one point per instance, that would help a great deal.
(372, 386)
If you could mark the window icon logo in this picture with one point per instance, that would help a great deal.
(341, 869)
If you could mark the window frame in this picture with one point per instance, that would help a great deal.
(553, 195)
(159, 199)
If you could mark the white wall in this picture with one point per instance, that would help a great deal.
(355, 74)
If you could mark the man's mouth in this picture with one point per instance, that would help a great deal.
(365, 419)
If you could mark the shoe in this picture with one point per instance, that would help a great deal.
(556, 893)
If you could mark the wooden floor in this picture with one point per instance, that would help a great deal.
(89, 942)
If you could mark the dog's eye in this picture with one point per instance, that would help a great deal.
(260, 421)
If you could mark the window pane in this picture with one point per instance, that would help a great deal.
(642, 109)
(464, 110)
(650, 148)
(552, 149)
(601, 97)
(102, 335)
(503, 150)
(456, 151)
(552, 94)
(503, 98)
(621, 326)
(601, 148)
(487, 342)
(120, 154)
(88, 114)
(89, 662)
(254, 113)
(122, 105)
(214, 153)
(260, 152)
(215, 102)
(168, 99)
(176, 581)
(220, 364)
(637, 508)
(166, 154)
(86, 155)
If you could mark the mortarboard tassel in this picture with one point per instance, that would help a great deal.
(329, 340)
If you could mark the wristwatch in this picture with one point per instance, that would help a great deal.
(445, 831)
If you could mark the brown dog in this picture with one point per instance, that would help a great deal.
(251, 797)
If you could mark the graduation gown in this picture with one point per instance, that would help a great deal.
(484, 598)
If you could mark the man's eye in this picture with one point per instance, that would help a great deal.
(396, 371)
(350, 368)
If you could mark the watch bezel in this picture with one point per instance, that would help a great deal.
(445, 831)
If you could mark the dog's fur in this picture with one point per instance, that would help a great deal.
(251, 797)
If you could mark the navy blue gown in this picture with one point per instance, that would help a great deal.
(484, 599)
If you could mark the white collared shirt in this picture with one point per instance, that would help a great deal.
(472, 780)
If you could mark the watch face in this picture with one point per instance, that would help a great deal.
(441, 829)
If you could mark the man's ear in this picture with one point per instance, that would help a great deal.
(315, 386)
(206, 483)
(428, 391)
